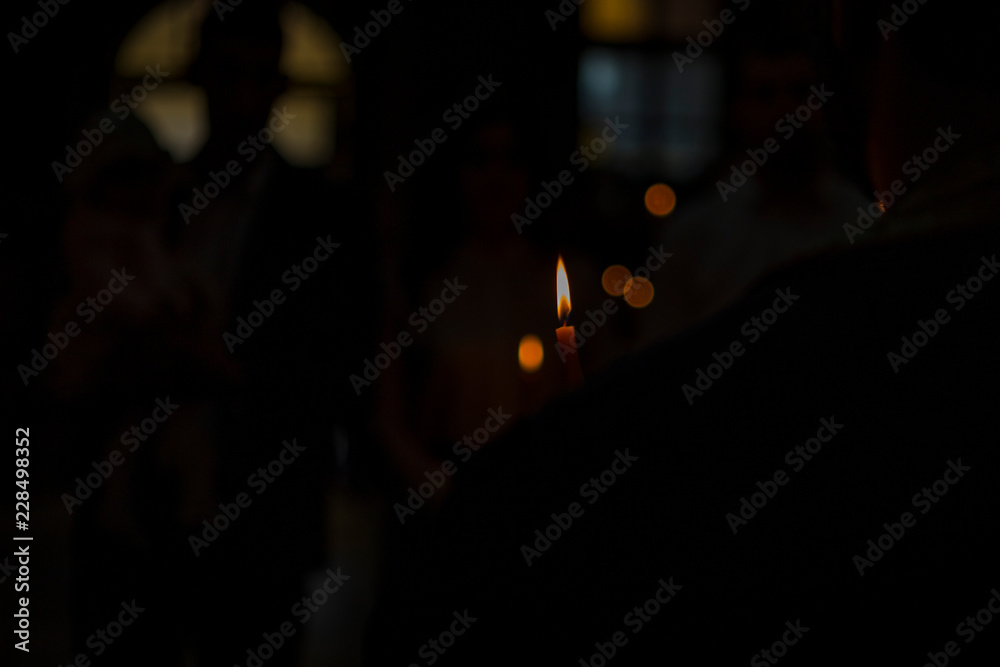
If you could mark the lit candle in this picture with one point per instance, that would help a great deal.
(566, 335)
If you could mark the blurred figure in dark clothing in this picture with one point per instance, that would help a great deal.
(781, 211)
(148, 343)
(808, 477)
(253, 267)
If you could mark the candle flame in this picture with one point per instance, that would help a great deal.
(562, 292)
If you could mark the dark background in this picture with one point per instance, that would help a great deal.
(364, 450)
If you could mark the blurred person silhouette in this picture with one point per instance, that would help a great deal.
(475, 347)
(785, 204)
(465, 358)
(142, 339)
(272, 227)
(465, 361)
(828, 495)
(251, 399)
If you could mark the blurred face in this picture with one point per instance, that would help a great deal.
(773, 87)
(851, 68)
(494, 183)
(241, 80)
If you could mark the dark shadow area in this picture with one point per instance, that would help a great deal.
(280, 309)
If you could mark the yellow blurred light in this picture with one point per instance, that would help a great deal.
(176, 111)
(530, 353)
(660, 200)
(167, 35)
(638, 292)
(615, 20)
(310, 54)
(615, 278)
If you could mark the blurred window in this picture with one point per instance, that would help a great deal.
(627, 68)
(320, 90)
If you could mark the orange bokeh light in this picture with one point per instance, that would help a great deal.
(660, 200)
(615, 278)
(638, 292)
(530, 353)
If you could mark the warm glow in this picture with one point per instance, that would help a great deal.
(176, 112)
(615, 20)
(615, 278)
(660, 200)
(562, 292)
(530, 353)
(638, 292)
